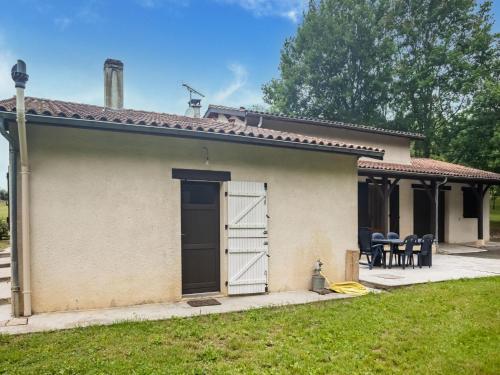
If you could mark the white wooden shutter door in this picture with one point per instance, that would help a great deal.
(247, 237)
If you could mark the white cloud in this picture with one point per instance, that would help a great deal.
(240, 76)
(237, 92)
(62, 23)
(292, 15)
(290, 9)
(151, 4)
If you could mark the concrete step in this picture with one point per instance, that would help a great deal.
(5, 289)
(5, 293)
(4, 273)
(5, 265)
(5, 311)
(4, 254)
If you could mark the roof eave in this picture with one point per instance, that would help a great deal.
(427, 176)
(339, 126)
(185, 133)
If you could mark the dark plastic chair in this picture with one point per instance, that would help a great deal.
(425, 253)
(392, 236)
(379, 236)
(366, 246)
(407, 253)
(394, 249)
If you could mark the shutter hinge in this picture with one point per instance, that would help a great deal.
(225, 227)
(265, 185)
(226, 251)
(226, 283)
(225, 193)
(267, 289)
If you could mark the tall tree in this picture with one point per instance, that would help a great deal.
(444, 51)
(338, 66)
(476, 140)
(414, 65)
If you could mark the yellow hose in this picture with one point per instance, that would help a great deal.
(346, 287)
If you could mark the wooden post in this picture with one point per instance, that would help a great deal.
(352, 265)
(385, 202)
(435, 210)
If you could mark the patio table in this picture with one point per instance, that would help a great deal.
(394, 245)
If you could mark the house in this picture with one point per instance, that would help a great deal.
(115, 207)
(398, 193)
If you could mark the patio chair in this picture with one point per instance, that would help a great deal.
(393, 236)
(380, 236)
(425, 250)
(366, 246)
(407, 253)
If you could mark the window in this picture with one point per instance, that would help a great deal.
(469, 203)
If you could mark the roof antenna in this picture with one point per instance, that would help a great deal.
(194, 103)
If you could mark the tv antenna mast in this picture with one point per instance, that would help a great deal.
(194, 103)
(192, 91)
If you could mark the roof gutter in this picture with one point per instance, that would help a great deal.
(20, 78)
(185, 133)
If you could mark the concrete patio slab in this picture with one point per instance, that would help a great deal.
(444, 267)
(72, 319)
(447, 248)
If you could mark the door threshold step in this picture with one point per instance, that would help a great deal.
(187, 297)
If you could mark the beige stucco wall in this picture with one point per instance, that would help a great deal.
(459, 229)
(106, 214)
(397, 149)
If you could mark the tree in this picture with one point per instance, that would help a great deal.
(477, 132)
(411, 65)
(338, 66)
(444, 50)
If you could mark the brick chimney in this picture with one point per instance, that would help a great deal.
(113, 84)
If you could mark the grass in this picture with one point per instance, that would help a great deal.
(443, 328)
(495, 219)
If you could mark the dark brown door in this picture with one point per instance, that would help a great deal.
(200, 237)
(422, 209)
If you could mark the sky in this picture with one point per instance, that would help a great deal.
(226, 49)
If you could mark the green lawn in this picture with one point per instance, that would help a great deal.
(443, 328)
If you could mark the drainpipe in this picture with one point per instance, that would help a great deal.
(15, 289)
(20, 78)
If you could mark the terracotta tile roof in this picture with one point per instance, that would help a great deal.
(421, 166)
(61, 109)
(212, 108)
